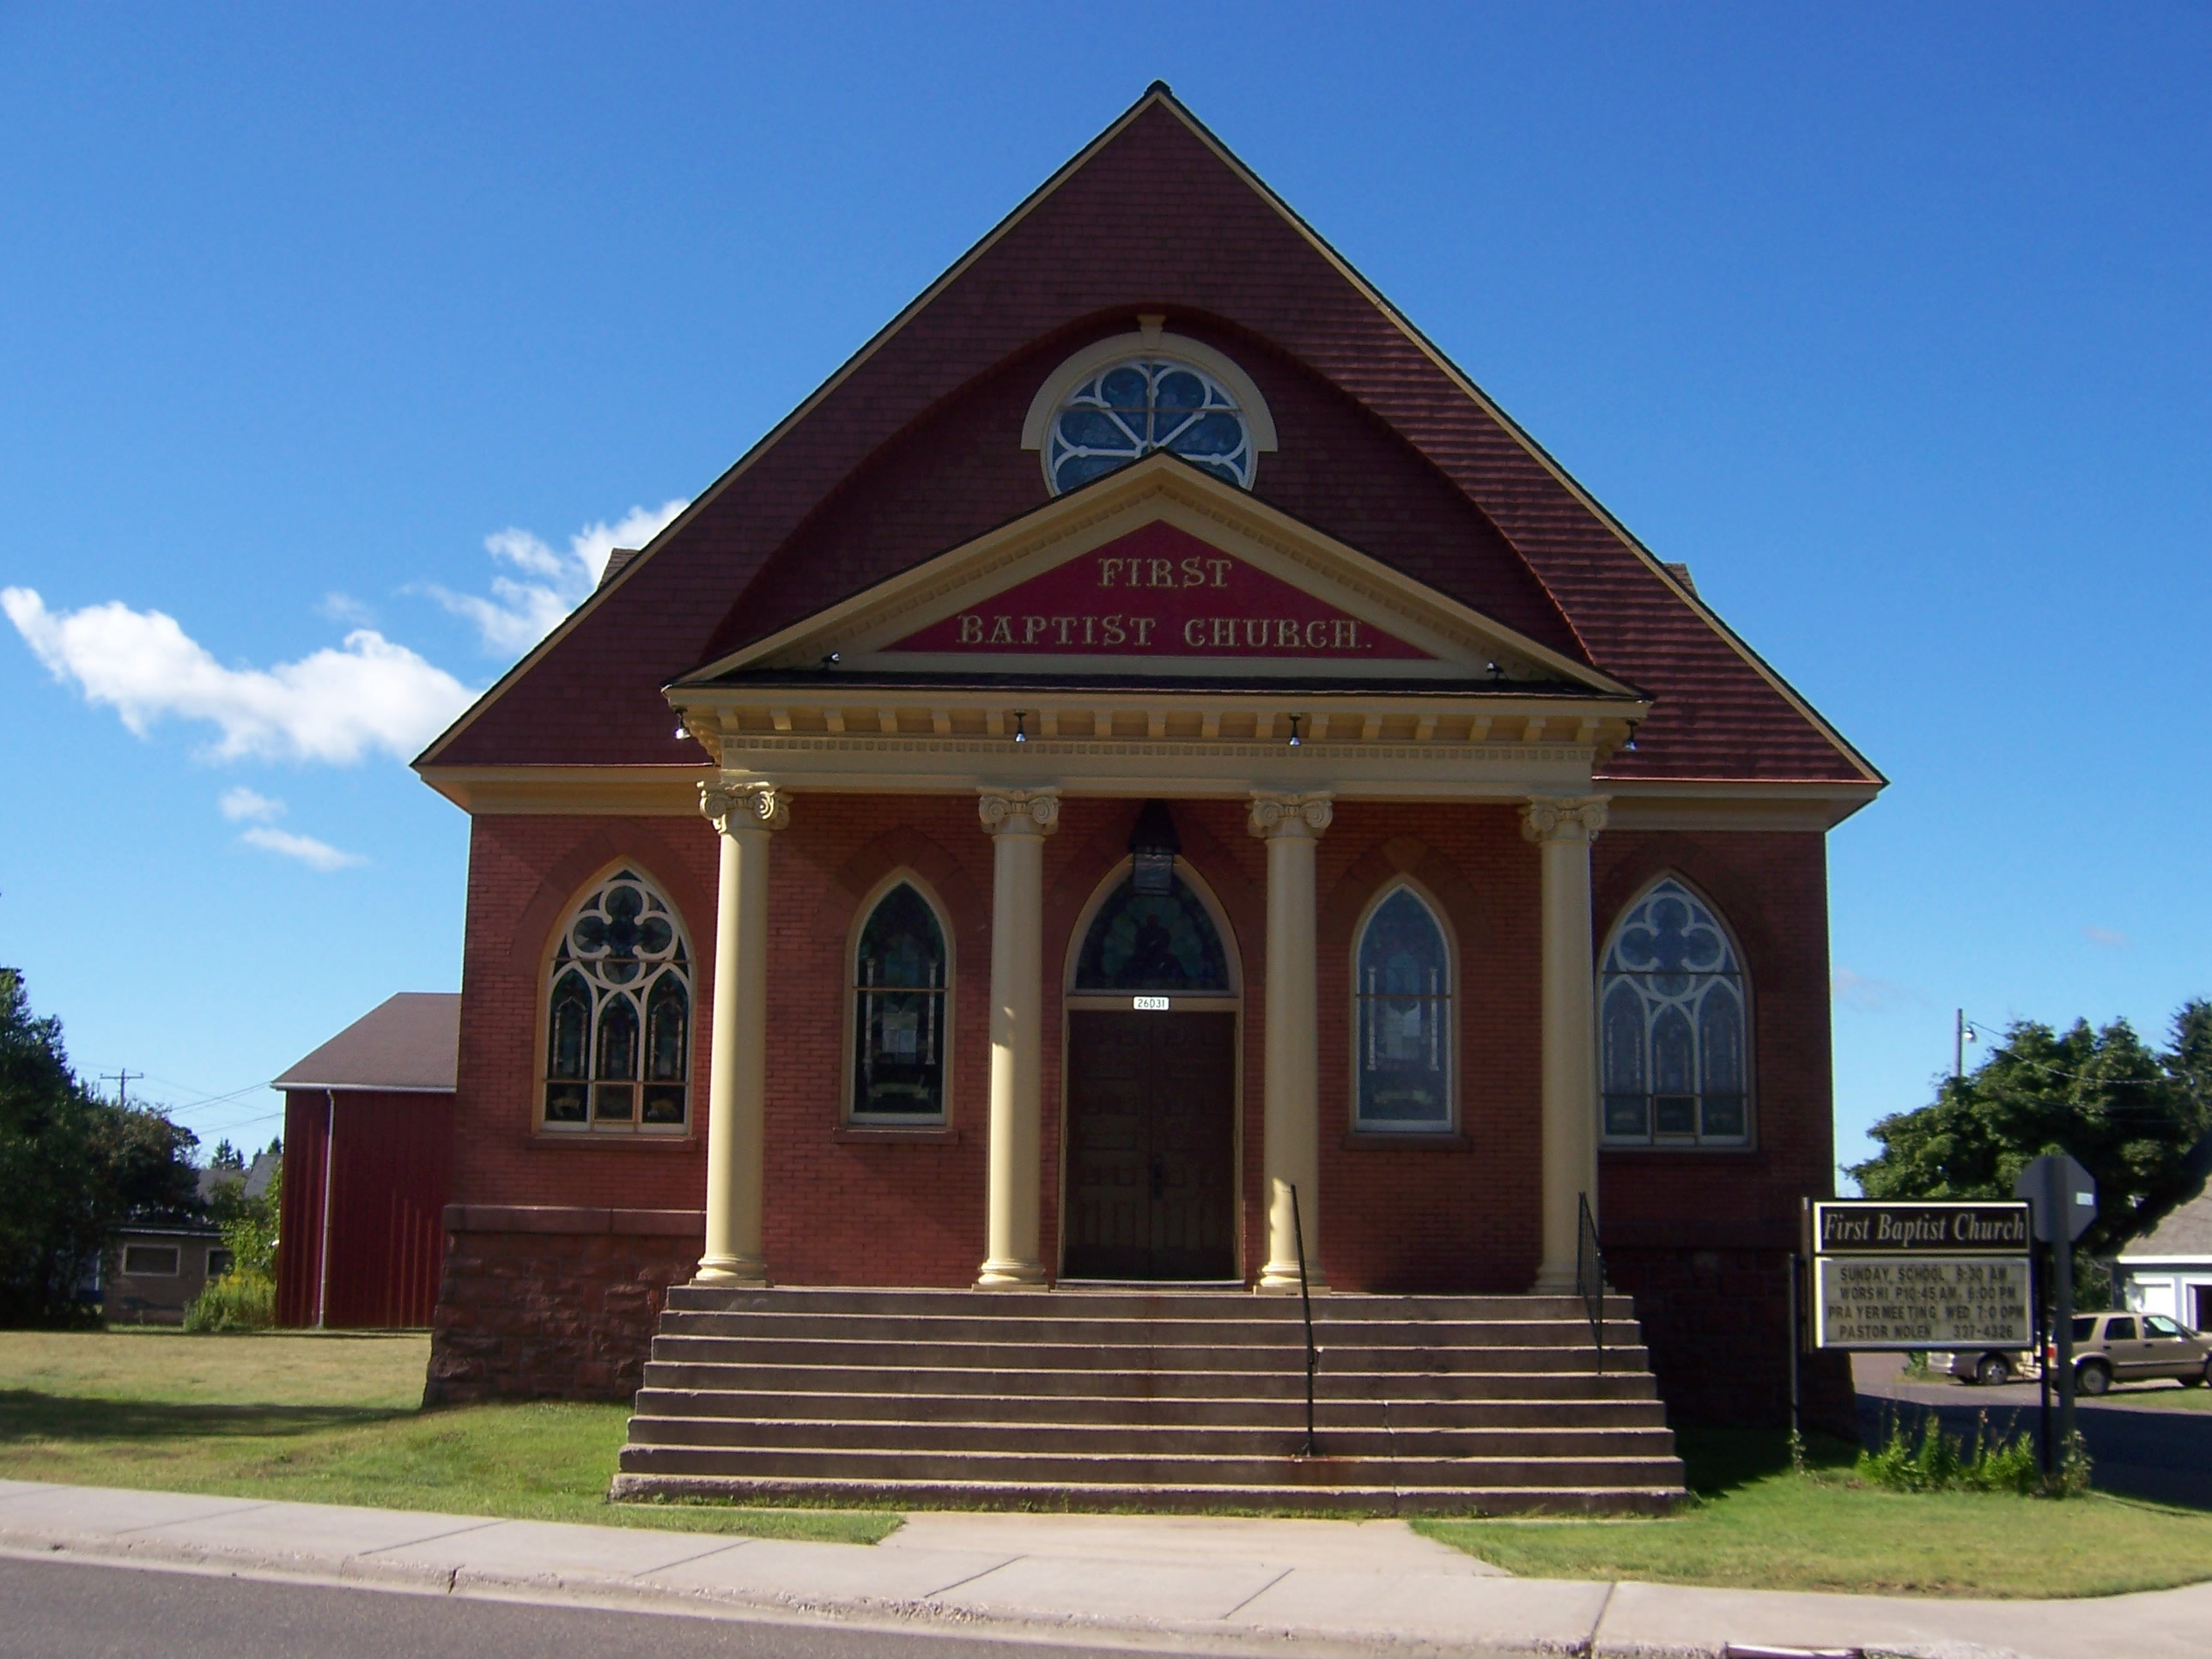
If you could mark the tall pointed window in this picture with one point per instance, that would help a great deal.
(1671, 1019)
(900, 976)
(1403, 991)
(618, 1014)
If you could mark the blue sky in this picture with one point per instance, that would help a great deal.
(1893, 322)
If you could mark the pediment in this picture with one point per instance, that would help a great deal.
(1158, 570)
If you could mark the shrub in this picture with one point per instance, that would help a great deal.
(1983, 1461)
(238, 1301)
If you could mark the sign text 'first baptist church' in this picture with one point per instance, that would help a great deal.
(1158, 591)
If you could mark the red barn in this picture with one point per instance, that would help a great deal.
(1147, 778)
(368, 1158)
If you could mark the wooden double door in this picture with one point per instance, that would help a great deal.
(1151, 1154)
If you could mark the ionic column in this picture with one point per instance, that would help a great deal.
(1563, 827)
(1291, 1134)
(1017, 821)
(744, 815)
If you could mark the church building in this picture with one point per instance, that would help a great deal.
(1147, 777)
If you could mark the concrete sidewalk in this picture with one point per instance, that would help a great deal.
(1188, 1583)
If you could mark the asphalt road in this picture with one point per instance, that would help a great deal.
(70, 1610)
(2162, 1453)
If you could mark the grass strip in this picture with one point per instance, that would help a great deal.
(1754, 1522)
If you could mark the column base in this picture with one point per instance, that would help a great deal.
(1009, 1276)
(1284, 1281)
(1552, 1281)
(733, 1271)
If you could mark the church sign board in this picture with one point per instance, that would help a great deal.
(1920, 1275)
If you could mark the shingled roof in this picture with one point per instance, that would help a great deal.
(1155, 214)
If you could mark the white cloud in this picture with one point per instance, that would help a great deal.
(1871, 995)
(241, 804)
(334, 706)
(2111, 938)
(344, 608)
(523, 609)
(315, 854)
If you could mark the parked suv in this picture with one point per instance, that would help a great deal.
(2124, 1347)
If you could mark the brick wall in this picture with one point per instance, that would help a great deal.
(1696, 1235)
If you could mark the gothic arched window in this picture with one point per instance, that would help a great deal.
(1675, 1064)
(1402, 990)
(1124, 412)
(618, 1013)
(900, 972)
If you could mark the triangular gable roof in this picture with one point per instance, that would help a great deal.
(1155, 213)
(1231, 586)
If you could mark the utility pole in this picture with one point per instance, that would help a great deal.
(1960, 1033)
(122, 1081)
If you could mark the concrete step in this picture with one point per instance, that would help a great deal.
(1133, 1303)
(1281, 1472)
(681, 1344)
(671, 1372)
(1120, 1440)
(1080, 1496)
(1283, 1410)
(1092, 1329)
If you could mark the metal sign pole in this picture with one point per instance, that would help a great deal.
(2044, 1359)
(2062, 1251)
(1797, 1427)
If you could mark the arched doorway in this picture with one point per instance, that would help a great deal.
(1151, 1089)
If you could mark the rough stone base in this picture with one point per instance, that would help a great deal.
(547, 1303)
(1717, 1323)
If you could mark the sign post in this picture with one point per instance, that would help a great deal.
(2063, 1197)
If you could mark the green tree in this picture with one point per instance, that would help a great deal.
(2129, 1114)
(73, 1167)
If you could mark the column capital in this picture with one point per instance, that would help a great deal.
(755, 806)
(1563, 818)
(1305, 817)
(1018, 811)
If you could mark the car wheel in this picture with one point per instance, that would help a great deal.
(1993, 1371)
(2198, 1379)
(2092, 1377)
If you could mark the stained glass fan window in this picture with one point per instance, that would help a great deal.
(899, 1012)
(618, 1027)
(1124, 413)
(1671, 1026)
(1150, 942)
(1404, 993)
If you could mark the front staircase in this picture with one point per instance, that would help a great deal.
(1151, 1399)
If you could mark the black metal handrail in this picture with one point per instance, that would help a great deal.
(1305, 1302)
(1589, 1276)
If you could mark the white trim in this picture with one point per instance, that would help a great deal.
(1182, 348)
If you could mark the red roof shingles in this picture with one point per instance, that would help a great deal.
(914, 450)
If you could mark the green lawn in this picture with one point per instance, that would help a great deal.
(329, 1418)
(1753, 1523)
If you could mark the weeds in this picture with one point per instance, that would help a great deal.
(238, 1301)
(1983, 1461)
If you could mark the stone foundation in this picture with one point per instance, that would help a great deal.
(1717, 1323)
(553, 1302)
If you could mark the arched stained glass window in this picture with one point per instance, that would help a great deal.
(618, 1014)
(1152, 942)
(1403, 989)
(1125, 412)
(1673, 1061)
(899, 1013)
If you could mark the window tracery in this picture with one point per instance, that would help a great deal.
(618, 1025)
(1152, 942)
(1403, 991)
(1126, 412)
(1672, 1029)
(900, 991)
